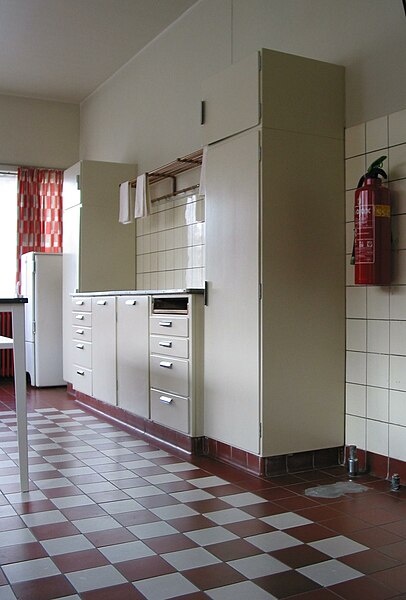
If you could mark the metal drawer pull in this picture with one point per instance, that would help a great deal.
(165, 323)
(80, 346)
(80, 373)
(165, 364)
(80, 302)
(166, 344)
(80, 317)
(165, 399)
(80, 331)
(131, 302)
(101, 302)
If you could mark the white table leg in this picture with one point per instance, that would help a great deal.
(20, 392)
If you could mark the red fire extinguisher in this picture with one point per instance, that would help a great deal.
(372, 227)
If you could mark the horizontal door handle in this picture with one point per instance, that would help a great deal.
(80, 373)
(165, 399)
(80, 331)
(165, 323)
(101, 302)
(165, 364)
(80, 317)
(80, 346)
(166, 344)
(131, 302)
(79, 302)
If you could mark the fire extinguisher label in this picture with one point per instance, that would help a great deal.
(364, 235)
(382, 210)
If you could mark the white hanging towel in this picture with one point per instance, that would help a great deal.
(142, 197)
(202, 186)
(125, 215)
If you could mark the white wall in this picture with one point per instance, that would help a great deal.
(38, 132)
(149, 111)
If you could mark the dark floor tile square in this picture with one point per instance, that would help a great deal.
(191, 523)
(213, 576)
(170, 543)
(363, 587)
(70, 490)
(345, 524)
(175, 486)
(264, 509)
(20, 552)
(76, 561)
(144, 568)
(394, 578)
(110, 536)
(374, 537)
(300, 556)
(82, 512)
(311, 532)
(233, 550)
(396, 550)
(282, 585)
(250, 527)
(54, 530)
(32, 507)
(210, 505)
(44, 589)
(126, 591)
(369, 561)
(137, 517)
(295, 503)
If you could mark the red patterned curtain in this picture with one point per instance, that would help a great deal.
(39, 229)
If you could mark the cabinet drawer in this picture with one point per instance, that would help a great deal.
(82, 353)
(82, 380)
(170, 410)
(83, 334)
(169, 346)
(170, 325)
(171, 374)
(82, 304)
(82, 318)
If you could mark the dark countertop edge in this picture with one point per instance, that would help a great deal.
(13, 300)
(141, 292)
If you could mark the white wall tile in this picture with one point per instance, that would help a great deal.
(355, 431)
(378, 302)
(355, 140)
(397, 162)
(398, 337)
(357, 334)
(378, 404)
(397, 442)
(398, 373)
(356, 302)
(349, 206)
(397, 127)
(378, 336)
(354, 169)
(398, 196)
(399, 232)
(356, 399)
(356, 367)
(378, 437)
(397, 408)
(378, 370)
(377, 134)
(349, 237)
(397, 301)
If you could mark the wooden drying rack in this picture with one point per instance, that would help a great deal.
(171, 171)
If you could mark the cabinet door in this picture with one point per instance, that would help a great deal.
(104, 349)
(231, 372)
(133, 354)
(231, 100)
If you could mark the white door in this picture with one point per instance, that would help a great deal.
(231, 379)
(133, 354)
(104, 349)
(231, 100)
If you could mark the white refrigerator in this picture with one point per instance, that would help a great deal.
(41, 283)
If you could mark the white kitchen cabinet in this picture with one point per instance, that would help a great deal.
(274, 323)
(98, 253)
(133, 354)
(104, 349)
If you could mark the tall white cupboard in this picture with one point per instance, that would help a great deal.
(98, 252)
(274, 320)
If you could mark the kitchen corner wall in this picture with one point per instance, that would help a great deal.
(171, 240)
(376, 316)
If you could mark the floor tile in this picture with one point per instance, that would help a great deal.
(286, 520)
(231, 515)
(258, 566)
(74, 561)
(190, 559)
(213, 576)
(211, 535)
(96, 524)
(338, 546)
(275, 540)
(165, 586)
(30, 569)
(282, 585)
(329, 572)
(64, 545)
(47, 588)
(98, 577)
(144, 568)
(245, 589)
(127, 551)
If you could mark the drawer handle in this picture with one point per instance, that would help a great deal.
(82, 373)
(166, 344)
(101, 302)
(79, 317)
(165, 364)
(131, 302)
(165, 323)
(80, 331)
(80, 346)
(79, 302)
(165, 399)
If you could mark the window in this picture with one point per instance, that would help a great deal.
(8, 234)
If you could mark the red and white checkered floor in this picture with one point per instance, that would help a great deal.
(111, 516)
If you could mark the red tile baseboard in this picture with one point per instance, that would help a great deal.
(378, 465)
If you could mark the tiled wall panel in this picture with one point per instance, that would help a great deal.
(376, 316)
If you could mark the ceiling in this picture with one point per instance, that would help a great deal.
(64, 49)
